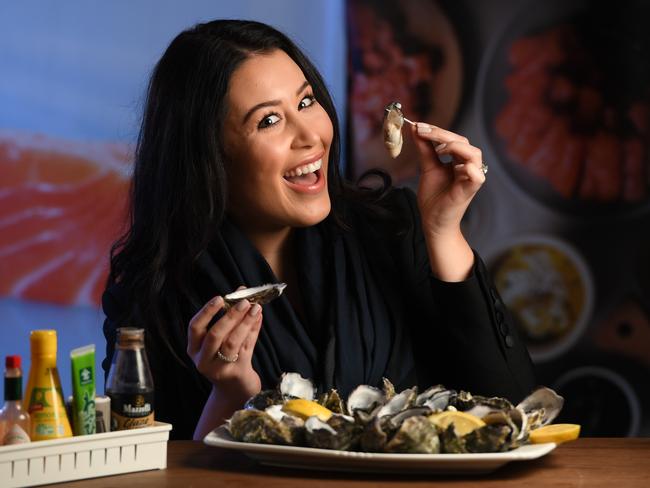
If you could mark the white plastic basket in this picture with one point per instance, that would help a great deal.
(88, 456)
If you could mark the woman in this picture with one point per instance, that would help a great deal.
(236, 182)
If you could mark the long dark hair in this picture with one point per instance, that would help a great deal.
(179, 182)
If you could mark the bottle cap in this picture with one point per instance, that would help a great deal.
(130, 336)
(43, 342)
(12, 362)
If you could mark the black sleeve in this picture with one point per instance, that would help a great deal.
(466, 338)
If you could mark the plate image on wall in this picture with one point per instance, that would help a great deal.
(563, 101)
(547, 287)
(601, 400)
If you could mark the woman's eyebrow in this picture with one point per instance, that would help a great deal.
(272, 103)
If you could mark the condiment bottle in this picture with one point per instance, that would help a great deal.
(130, 385)
(43, 396)
(14, 421)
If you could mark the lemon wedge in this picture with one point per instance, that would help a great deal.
(555, 433)
(306, 408)
(463, 422)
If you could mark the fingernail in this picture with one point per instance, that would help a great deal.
(459, 166)
(255, 309)
(215, 301)
(242, 305)
(440, 147)
(424, 128)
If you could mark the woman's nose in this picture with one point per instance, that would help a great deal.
(304, 133)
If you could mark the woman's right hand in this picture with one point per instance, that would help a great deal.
(233, 335)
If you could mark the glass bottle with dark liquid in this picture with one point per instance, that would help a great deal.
(130, 385)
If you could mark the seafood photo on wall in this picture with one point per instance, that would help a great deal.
(566, 101)
(406, 51)
(62, 204)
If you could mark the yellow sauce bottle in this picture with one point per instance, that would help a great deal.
(43, 396)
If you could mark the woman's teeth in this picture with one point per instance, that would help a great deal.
(306, 169)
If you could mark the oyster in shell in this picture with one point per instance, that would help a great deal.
(332, 401)
(265, 427)
(293, 385)
(541, 407)
(258, 294)
(437, 398)
(392, 127)
(363, 401)
(416, 435)
(339, 432)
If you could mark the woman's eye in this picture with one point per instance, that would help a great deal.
(268, 121)
(306, 102)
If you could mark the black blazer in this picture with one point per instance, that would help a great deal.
(373, 310)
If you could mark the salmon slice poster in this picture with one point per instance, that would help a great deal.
(72, 88)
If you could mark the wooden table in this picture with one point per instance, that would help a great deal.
(618, 463)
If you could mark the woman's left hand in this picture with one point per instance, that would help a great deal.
(445, 190)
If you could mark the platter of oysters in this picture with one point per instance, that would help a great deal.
(382, 430)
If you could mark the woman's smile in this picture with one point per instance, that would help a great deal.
(307, 177)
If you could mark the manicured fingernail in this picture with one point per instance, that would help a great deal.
(241, 306)
(440, 147)
(255, 309)
(424, 128)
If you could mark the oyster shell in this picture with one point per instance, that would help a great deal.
(293, 385)
(332, 401)
(541, 407)
(263, 400)
(264, 428)
(416, 435)
(339, 432)
(397, 403)
(258, 294)
(392, 127)
(363, 401)
(437, 398)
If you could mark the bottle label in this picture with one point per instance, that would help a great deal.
(15, 435)
(131, 410)
(14, 388)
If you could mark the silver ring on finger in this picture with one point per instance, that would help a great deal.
(227, 359)
(484, 168)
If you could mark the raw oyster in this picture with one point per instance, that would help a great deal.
(392, 127)
(436, 398)
(258, 294)
(293, 385)
(479, 405)
(541, 407)
(416, 435)
(332, 401)
(265, 428)
(339, 432)
(398, 403)
(491, 438)
(363, 401)
(263, 400)
(402, 432)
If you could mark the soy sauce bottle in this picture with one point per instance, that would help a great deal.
(130, 385)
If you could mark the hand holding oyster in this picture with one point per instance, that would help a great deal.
(438, 420)
(393, 121)
(259, 294)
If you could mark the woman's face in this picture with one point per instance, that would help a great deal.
(277, 139)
